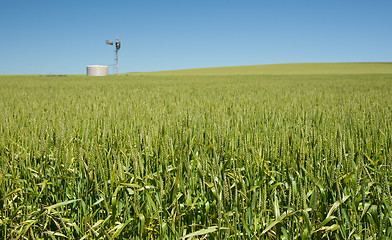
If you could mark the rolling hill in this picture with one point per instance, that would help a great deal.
(287, 69)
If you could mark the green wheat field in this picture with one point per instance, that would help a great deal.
(290, 151)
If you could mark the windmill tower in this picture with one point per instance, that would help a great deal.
(117, 44)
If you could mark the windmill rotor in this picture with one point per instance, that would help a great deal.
(118, 43)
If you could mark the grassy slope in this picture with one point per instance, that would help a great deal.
(286, 69)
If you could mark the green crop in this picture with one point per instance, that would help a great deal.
(180, 157)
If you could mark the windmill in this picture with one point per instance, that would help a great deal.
(117, 44)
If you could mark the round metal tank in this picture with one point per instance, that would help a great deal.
(97, 70)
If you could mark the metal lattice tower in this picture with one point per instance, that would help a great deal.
(117, 44)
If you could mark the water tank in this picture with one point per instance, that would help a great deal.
(97, 70)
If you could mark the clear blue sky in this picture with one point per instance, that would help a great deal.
(63, 37)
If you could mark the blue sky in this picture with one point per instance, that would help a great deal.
(63, 37)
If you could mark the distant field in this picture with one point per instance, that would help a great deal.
(291, 151)
(287, 69)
